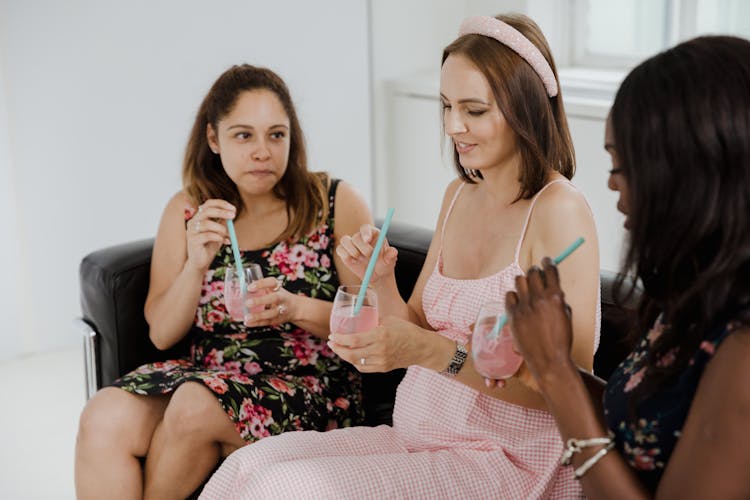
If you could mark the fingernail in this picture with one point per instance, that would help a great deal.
(329, 344)
(488, 383)
(331, 338)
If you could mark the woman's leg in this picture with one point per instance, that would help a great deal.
(188, 443)
(252, 466)
(114, 430)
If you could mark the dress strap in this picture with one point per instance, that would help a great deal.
(528, 216)
(448, 212)
(439, 263)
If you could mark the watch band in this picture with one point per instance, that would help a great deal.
(458, 360)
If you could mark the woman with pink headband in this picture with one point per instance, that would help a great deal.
(453, 434)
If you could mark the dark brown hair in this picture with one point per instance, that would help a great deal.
(537, 120)
(203, 176)
(681, 127)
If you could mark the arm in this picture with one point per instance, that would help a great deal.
(712, 456)
(309, 313)
(541, 326)
(560, 216)
(180, 260)
(355, 251)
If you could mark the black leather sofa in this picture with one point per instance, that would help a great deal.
(114, 282)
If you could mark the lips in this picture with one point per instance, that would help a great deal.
(463, 147)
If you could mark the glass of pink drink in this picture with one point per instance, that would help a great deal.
(234, 300)
(494, 356)
(343, 319)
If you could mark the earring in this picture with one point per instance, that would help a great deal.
(214, 151)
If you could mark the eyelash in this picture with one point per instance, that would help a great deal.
(471, 113)
(247, 135)
(615, 171)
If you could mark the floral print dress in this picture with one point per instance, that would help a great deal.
(647, 436)
(269, 379)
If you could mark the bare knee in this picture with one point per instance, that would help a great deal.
(114, 417)
(194, 413)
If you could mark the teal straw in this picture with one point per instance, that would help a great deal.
(373, 260)
(563, 255)
(237, 261)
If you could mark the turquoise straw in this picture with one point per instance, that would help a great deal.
(238, 261)
(504, 318)
(373, 260)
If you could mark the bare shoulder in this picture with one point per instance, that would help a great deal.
(561, 215)
(180, 203)
(731, 361)
(560, 202)
(350, 209)
(712, 456)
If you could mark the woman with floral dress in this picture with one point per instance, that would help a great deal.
(674, 416)
(243, 380)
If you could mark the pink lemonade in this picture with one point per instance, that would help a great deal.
(343, 321)
(235, 304)
(494, 358)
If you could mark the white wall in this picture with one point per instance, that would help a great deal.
(411, 173)
(13, 289)
(100, 96)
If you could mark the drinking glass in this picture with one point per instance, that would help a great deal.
(343, 319)
(494, 356)
(234, 300)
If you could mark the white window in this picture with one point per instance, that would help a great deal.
(619, 34)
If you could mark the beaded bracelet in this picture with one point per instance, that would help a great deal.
(574, 445)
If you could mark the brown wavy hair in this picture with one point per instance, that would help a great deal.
(539, 121)
(203, 176)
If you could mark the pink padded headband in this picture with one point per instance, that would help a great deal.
(513, 39)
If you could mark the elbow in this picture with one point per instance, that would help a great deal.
(157, 337)
(159, 343)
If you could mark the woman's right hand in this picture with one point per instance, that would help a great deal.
(207, 231)
(355, 251)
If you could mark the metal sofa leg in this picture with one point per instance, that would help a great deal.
(89, 355)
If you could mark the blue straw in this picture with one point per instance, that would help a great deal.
(238, 261)
(373, 260)
(563, 255)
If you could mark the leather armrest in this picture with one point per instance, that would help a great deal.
(114, 283)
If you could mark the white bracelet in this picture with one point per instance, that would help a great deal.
(577, 445)
(584, 468)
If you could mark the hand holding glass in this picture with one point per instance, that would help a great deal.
(494, 356)
(344, 320)
(234, 300)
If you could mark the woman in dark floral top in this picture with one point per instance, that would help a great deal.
(243, 380)
(677, 409)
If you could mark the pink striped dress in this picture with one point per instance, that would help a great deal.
(447, 440)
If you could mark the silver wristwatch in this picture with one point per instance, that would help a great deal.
(457, 362)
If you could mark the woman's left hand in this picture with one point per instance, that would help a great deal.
(539, 319)
(278, 303)
(395, 343)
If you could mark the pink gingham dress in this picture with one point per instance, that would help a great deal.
(447, 440)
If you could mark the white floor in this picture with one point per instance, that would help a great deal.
(42, 396)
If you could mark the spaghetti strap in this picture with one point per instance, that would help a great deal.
(439, 262)
(448, 212)
(528, 216)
